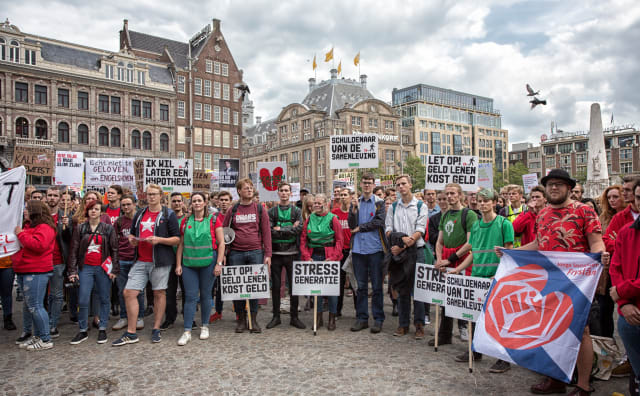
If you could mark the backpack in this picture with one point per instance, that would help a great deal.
(463, 219)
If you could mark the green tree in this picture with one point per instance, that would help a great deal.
(516, 171)
(414, 168)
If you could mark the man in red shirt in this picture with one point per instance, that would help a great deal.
(526, 222)
(114, 194)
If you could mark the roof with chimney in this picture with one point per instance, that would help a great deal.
(336, 93)
(261, 128)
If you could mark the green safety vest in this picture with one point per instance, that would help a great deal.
(284, 220)
(198, 243)
(319, 230)
(511, 216)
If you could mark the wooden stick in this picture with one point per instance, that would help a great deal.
(248, 309)
(469, 328)
(437, 326)
(315, 315)
(64, 227)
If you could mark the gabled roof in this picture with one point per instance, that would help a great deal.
(332, 95)
(259, 129)
(145, 42)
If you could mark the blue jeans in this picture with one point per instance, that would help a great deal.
(34, 288)
(198, 280)
(91, 275)
(56, 296)
(121, 281)
(404, 305)
(369, 266)
(631, 339)
(6, 290)
(237, 257)
(333, 300)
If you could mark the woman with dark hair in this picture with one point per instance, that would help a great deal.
(34, 266)
(201, 243)
(94, 242)
(591, 202)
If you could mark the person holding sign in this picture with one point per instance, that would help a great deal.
(201, 243)
(367, 221)
(322, 240)
(252, 244)
(93, 245)
(286, 225)
(490, 231)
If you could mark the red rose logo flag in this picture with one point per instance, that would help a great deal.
(269, 175)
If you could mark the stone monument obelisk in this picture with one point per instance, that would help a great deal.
(597, 171)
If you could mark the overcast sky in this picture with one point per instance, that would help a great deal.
(575, 53)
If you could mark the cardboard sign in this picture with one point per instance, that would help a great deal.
(354, 151)
(485, 176)
(104, 172)
(316, 278)
(269, 175)
(11, 203)
(228, 172)
(37, 161)
(173, 175)
(245, 282)
(445, 169)
(201, 181)
(69, 169)
(138, 170)
(529, 181)
(387, 180)
(295, 192)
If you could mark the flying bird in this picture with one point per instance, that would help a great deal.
(531, 91)
(536, 102)
(243, 87)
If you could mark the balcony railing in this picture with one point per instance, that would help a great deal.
(34, 142)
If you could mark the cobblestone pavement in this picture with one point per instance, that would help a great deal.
(280, 361)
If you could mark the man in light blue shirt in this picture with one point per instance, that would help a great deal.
(430, 200)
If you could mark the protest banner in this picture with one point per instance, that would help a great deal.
(173, 175)
(201, 181)
(316, 278)
(537, 309)
(269, 175)
(529, 181)
(485, 175)
(228, 172)
(138, 171)
(103, 172)
(36, 161)
(215, 181)
(444, 169)
(69, 169)
(245, 282)
(354, 151)
(295, 192)
(429, 285)
(11, 201)
(387, 180)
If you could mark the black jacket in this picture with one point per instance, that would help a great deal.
(376, 224)
(434, 224)
(63, 235)
(286, 232)
(402, 267)
(80, 243)
(166, 227)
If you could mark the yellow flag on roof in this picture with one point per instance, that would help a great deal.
(314, 63)
(356, 60)
(340, 67)
(329, 55)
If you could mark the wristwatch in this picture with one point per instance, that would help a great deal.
(220, 263)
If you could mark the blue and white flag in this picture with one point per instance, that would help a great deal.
(537, 308)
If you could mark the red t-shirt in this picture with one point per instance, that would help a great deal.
(566, 229)
(342, 218)
(113, 214)
(57, 253)
(94, 251)
(146, 230)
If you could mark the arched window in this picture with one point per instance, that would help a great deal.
(120, 71)
(115, 137)
(3, 49)
(22, 128)
(63, 132)
(103, 136)
(41, 130)
(135, 139)
(83, 134)
(146, 140)
(129, 73)
(164, 142)
(14, 51)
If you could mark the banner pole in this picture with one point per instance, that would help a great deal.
(469, 330)
(437, 326)
(248, 309)
(315, 315)
(64, 227)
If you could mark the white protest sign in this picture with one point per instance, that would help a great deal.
(485, 175)
(245, 282)
(429, 284)
(269, 175)
(11, 201)
(316, 278)
(69, 169)
(444, 169)
(173, 175)
(529, 181)
(103, 172)
(354, 151)
(232, 191)
(295, 192)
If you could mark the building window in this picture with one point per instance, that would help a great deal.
(356, 121)
(581, 158)
(216, 89)
(216, 161)
(164, 112)
(63, 98)
(180, 109)
(142, 76)
(236, 94)
(164, 142)
(181, 135)
(236, 141)
(208, 66)
(103, 103)
(181, 155)
(14, 51)
(135, 139)
(625, 154)
(197, 111)
(22, 128)
(225, 115)
(207, 88)
(225, 70)
(115, 137)
(41, 94)
(41, 130)
(582, 146)
(108, 72)
(225, 91)
(146, 110)
(121, 74)
(63, 132)
(180, 84)
(197, 86)
(226, 142)
(83, 100)
(217, 137)
(146, 140)
(135, 108)
(549, 150)
(3, 49)
(115, 105)
(626, 167)
(565, 148)
(207, 112)
(216, 113)
(197, 160)
(435, 143)
(236, 118)
(388, 124)
(103, 136)
(22, 92)
(83, 134)
(216, 67)
(207, 137)
(129, 73)
(197, 136)
(550, 162)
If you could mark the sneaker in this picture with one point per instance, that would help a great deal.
(376, 328)
(24, 337)
(40, 345)
(126, 338)
(120, 324)
(26, 343)
(184, 338)
(156, 336)
(139, 324)
(54, 332)
(622, 370)
(102, 337)
(166, 325)
(214, 317)
(427, 320)
(204, 332)
(465, 357)
(500, 367)
(80, 337)
(464, 334)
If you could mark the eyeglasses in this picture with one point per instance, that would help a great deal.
(367, 183)
(555, 185)
(153, 194)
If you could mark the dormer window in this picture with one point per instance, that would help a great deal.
(3, 49)
(29, 57)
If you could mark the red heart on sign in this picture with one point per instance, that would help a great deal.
(269, 182)
(518, 316)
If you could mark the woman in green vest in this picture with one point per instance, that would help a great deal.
(322, 240)
(202, 242)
